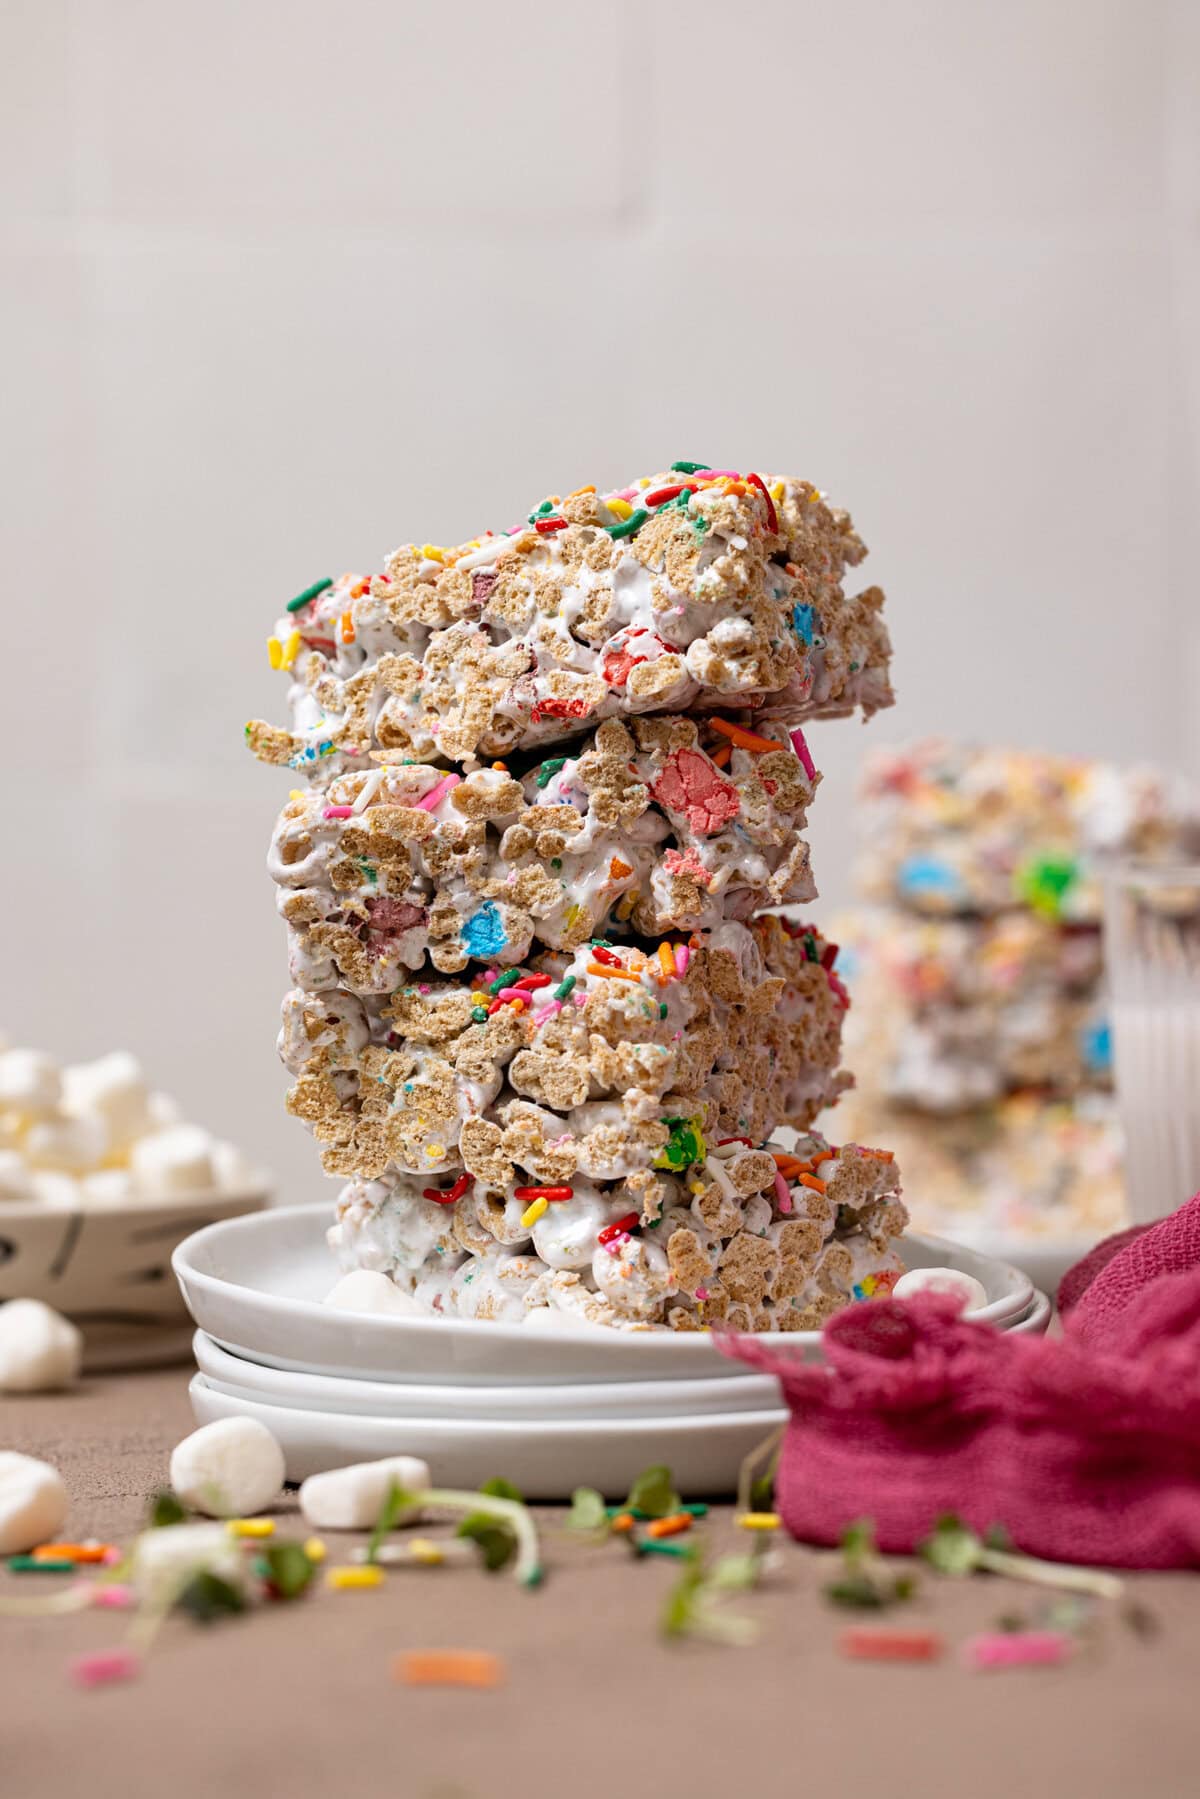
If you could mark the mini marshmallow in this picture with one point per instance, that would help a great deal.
(29, 1082)
(232, 1169)
(40, 1350)
(178, 1160)
(165, 1560)
(67, 1144)
(106, 1187)
(62, 1192)
(352, 1498)
(365, 1290)
(15, 1183)
(964, 1287)
(112, 1088)
(230, 1469)
(33, 1502)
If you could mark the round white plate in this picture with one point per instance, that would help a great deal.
(256, 1284)
(233, 1375)
(546, 1460)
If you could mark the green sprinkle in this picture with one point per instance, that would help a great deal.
(689, 468)
(601, 943)
(310, 593)
(505, 980)
(548, 770)
(662, 1008)
(479, 1017)
(32, 1564)
(628, 527)
(564, 987)
(658, 1546)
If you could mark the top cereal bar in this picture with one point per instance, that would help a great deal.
(692, 589)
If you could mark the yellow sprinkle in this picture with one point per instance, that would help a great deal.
(296, 793)
(289, 650)
(622, 508)
(315, 1550)
(342, 1578)
(759, 1521)
(777, 491)
(274, 652)
(533, 1212)
(643, 480)
(422, 1549)
(696, 1187)
(250, 1527)
(627, 904)
(433, 552)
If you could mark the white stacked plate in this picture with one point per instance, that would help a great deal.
(549, 1411)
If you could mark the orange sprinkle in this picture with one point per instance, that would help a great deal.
(614, 974)
(622, 1522)
(890, 1645)
(749, 740)
(576, 491)
(735, 487)
(666, 956)
(790, 1164)
(810, 1180)
(617, 868)
(824, 1155)
(672, 1526)
(502, 766)
(72, 1552)
(721, 756)
(878, 1155)
(449, 1668)
(347, 628)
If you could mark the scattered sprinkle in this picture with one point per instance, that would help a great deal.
(449, 1668)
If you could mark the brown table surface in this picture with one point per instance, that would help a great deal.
(299, 1699)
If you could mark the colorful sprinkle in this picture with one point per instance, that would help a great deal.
(553, 1195)
(800, 745)
(250, 1527)
(105, 1666)
(1018, 1649)
(563, 990)
(533, 1212)
(672, 1526)
(631, 526)
(618, 1228)
(310, 593)
(449, 1668)
(890, 1645)
(747, 740)
(772, 516)
(615, 974)
(758, 1521)
(436, 794)
(782, 1193)
(343, 1578)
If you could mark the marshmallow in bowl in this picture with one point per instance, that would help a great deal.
(40, 1350)
(96, 1133)
(970, 1293)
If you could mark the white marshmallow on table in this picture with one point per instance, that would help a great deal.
(33, 1502)
(60, 1191)
(178, 1160)
(15, 1184)
(40, 1350)
(952, 1281)
(166, 1560)
(229, 1469)
(352, 1498)
(366, 1290)
(69, 1144)
(29, 1082)
(114, 1089)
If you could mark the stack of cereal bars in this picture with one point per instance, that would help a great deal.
(545, 1014)
(988, 1056)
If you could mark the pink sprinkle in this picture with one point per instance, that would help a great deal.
(338, 812)
(802, 750)
(547, 1011)
(614, 1246)
(106, 1666)
(627, 493)
(782, 1193)
(429, 800)
(1018, 1649)
(701, 1292)
(715, 474)
(112, 1555)
(423, 987)
(683, 956)
(581, 999)
(114, 1598)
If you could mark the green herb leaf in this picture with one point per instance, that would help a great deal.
(207, 1597)
(858, 1543)
(286, 1569)
(165, 1509)
(680, 1606)
(952, 1548)
(858, 1591)
(397, 1502)
(996, 1537)
(735, 1573)
(904, 1586)
(588, 1510)
(498, 1488)
(653, 1492)
(496, 1543)
(762, 1493)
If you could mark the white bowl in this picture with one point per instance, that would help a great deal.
(546, 1459)
(108, 1266)
(255, 1285)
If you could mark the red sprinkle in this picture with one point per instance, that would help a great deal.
(528, 982)
(891, 1645)
(546, 525)
(453, 1194)
(661, 495)
(772, 515)
(618, 1228)
(550, 1193)
(606, 956)
(829, 955)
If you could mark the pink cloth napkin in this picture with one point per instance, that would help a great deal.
(1085, 1448)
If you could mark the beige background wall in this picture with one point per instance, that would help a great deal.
(288, 283)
